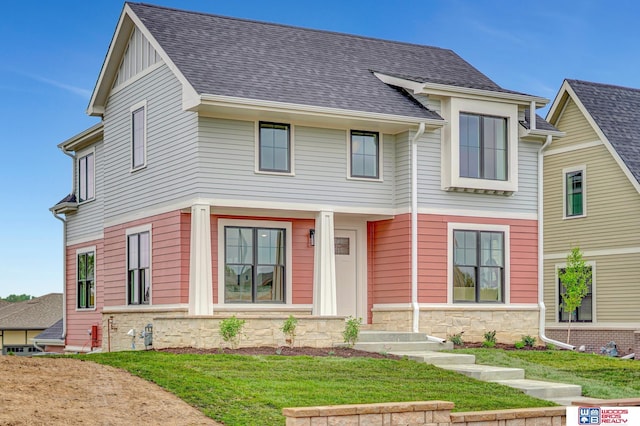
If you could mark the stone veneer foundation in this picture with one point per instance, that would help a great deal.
(510, 324)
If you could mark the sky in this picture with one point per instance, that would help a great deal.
(51, 53)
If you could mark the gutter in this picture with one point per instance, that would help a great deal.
(414, 227)
(543, 308)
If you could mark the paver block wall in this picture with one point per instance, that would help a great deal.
(593, 339)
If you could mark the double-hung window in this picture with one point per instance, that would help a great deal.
(254, 265)
(483, 147)
(138, 136)
(365, 154)
(584, 313)
(274, 147)
(478, 266)
(86, 284)
(574, 192)
(138, 266)
(86, 177)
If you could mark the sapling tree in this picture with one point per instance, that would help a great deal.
(574, 278)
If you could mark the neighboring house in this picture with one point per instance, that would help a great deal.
(20, 322)
(261, 170)
(51, 339)
(592, 201)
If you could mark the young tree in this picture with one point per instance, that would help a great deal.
(575, 278)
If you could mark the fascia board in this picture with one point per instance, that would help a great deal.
(89, 135)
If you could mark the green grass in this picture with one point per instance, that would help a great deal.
(599, 376)
(253, 390)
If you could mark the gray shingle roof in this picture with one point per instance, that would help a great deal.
(541, 123)
(616, 111)
(248, 59)
(38, 313)
(52, 333)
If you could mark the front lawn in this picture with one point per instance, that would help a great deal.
(253, 390)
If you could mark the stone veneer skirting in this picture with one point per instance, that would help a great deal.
(426, 413)
(509, 323)
(174, 329)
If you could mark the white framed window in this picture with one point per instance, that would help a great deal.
(254, 262)
(139, 260)
(274, 148)
(138, 114)
(478, 263)
(574, 192)
(364, 150)
(86, 278)
(587, 310)
(86, 176)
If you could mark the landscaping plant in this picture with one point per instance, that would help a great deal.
(489, 339)
(231, 330)
(289, 329)
(574, 278)
(351, 330)
(456, 339)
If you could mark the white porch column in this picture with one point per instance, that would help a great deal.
(200, 276)
(324, 275)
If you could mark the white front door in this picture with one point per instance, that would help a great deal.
(346, 272)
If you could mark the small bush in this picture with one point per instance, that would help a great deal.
(289, 329)
(351, 330)
(231, 330)
(519, 344)
(456, 339)
(489, 339)
(529, 341)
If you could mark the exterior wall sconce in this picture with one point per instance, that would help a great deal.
(312, 237)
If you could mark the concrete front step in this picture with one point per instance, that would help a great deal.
(487, 373)
(388, 347)
(437, 358)
(391, 336)
(544, 390)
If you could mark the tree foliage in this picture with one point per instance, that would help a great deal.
(17, 298)
(575, 278)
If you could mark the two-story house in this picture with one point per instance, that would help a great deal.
(592, 201)
(261, 170)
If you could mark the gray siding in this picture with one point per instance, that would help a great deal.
(171, 146)
(403, 169)
(227, 149)
(88, 221)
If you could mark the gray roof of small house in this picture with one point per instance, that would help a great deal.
(264, 61)
(37, 313)
(52, 333)
(541, 123)
(616, 111)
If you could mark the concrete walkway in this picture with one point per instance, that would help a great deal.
(415, 346)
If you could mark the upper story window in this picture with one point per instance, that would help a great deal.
(274, 147)
(138, 135)
(483, 147)
(86, 283)
(86, 177)
(364, 150)
(138, 268)
(574, 192)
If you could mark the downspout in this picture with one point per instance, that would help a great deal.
(543, 309)
(414, 227)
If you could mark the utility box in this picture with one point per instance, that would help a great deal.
(148, 336)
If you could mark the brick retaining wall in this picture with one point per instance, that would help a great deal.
(627, 341)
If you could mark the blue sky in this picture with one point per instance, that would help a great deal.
(51, 54)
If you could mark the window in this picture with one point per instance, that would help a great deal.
(574, 192)
(138, 265)
(274, 147)
(365, 155)
(478, 266)
(86, 178)
(86, 286)
(483, 147)
(582, 314)
(254, 265)
(138, 136)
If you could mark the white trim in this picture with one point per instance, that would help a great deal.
(380, 158)
(200, 259)
(79, 251)
(288, 226)
(136, 77)
(79, 156)
(581, 168)
(556, 291)
(380, 307)
(85, 240)
(572, 148)
(90, 135)
(261, 307)
(506, 230)
(595, 253)
(257, 170)
(134, 108)
(360, 227)
(137, 230)
(176, 307)
(478, 213)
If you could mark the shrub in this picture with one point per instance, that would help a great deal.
(289, 329)
(231, 330)
(456, 339)
(529, 341)
(351, 330)
(519, 344)
(489, 339)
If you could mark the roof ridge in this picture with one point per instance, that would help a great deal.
(594, 83)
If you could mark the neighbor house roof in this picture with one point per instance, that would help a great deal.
(616, 111)
(52, 333)
(244, 59)
(38, 313)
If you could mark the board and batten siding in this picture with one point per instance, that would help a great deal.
(227, 168)
(171, 155)
(88, 221)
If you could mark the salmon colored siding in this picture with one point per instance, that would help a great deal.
(302, 268)
(80, 321)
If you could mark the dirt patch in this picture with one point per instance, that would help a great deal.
(341, 352)
(46, 391)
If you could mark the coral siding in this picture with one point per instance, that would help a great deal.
(432, 257)
(170, 234)
(302, 268)
(79, 322)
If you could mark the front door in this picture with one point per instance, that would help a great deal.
(346, 272)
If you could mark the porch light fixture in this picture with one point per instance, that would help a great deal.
(312, 237)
